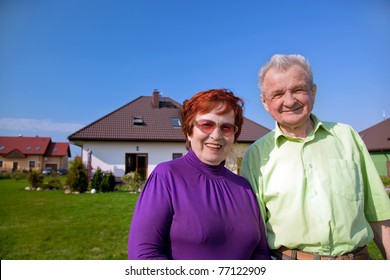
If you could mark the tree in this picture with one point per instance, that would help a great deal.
(77, 178)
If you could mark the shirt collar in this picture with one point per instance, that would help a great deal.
(280, 138)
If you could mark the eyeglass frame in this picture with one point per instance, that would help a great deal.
(215, 125)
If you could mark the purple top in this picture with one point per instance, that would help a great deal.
(191, 210)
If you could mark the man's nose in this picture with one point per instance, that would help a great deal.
(289, 98)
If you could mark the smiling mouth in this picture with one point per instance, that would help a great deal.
(213, 146)
(291, 110)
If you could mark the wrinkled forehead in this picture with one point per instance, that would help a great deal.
(284, 78)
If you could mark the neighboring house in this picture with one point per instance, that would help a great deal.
(377, 140)
(22, 153)
(143, 133)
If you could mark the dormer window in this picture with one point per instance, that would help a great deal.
(138, 120)
(176, 122)
(37, 148)
(28, 148)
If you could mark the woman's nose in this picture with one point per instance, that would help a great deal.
(217, 133)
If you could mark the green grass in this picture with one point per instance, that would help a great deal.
(50, 225)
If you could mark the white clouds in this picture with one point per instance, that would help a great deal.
(38, 125)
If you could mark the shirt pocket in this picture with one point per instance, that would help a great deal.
(346, 180)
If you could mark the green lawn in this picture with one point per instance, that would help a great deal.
(51, 225)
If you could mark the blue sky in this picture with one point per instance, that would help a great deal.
(67, 63)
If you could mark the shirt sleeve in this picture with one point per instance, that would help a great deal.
(250, 170)
(151, 222)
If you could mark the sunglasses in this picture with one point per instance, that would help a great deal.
(208, 126)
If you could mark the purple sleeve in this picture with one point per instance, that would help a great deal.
(151, 222)
(262, 251)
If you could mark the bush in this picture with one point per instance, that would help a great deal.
(35, 178)
(133, 181)
(385, 180)
(53, 181)
(5, 175)
(77, 178)
(108, 183)
(103, 182)
(97, 180)
(19, 175)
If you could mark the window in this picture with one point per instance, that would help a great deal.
(37, 148)
(31, 164)
(28, 148)
(138, 120)
(176, 122)
(176, 155)
(1, 164)
(2, 148)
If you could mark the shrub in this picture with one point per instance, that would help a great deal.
(35, 178)
(385, 180)
(133, 180)
(77, 178)
(18, 175)
(53, 181)
(5, 175)
(97, 180)
(108, 183)
(386, 183)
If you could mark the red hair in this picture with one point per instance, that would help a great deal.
(205, 101)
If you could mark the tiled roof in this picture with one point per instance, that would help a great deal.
(58, 149)
(119, 126)
(377, 137)
(251, 131)
(157, 124)
(19, 146)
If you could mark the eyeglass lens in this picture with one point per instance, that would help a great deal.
(208, 126)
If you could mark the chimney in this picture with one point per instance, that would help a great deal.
(156, 99)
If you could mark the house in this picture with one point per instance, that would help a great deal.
(143, 133)
(22, 153)
(377, 140)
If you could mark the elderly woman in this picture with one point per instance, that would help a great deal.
(193, 207)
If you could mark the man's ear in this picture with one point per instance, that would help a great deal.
(314, 89)
(264, 101)
(313, 92)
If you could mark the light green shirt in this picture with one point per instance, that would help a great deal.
(319, 194)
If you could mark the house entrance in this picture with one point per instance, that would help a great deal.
(15, 166)
(137, 163)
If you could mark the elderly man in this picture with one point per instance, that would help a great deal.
(319, 192)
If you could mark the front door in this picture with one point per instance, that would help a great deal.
(137, 163)
(15, 166)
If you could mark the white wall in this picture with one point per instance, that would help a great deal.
(111, 155)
